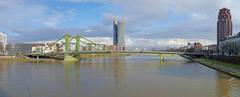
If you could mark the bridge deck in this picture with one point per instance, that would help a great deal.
(103, 52)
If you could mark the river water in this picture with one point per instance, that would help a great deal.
(129, 76)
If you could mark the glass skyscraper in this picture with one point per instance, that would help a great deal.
(118, 36)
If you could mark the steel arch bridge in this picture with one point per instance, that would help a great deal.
(67, 41)
(69, 47)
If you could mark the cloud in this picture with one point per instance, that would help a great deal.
(49, 33)
(56, 17)
(23, 13)
(199, 18)
(85, 1)
(160, 23)
(17, 12)
(132, 43)
(162, 43)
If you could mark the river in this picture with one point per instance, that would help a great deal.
(128, 76)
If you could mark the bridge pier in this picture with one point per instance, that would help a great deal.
(161, 58)
(70, 58)
(37, 58)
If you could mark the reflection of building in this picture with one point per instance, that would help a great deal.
(3, 41)
(118, 70)
(224, 25)
(118, 36)
(223, 85)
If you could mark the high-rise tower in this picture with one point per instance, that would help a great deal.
(224, 25)
(119, 31)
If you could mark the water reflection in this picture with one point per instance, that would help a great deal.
(227, 86)
(223, 85)
(118, 70)
(72, 77)
(110, 66)
(67, 77)
(3, 71)
(129, 76)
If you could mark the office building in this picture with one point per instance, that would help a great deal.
(118, 35)
(230, 46)
(3, 41)
(224, 25)
(227, 44)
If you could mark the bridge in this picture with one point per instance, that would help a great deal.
(70, 55)
(71, 48)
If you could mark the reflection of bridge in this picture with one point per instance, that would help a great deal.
(71, 47)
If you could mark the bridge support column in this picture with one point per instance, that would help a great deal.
(161, 57)
(68, 58)
(77, 46)
(67, 43)
(37, 58)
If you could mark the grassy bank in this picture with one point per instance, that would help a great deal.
(232, 69)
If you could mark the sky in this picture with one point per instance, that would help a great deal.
(153, 24)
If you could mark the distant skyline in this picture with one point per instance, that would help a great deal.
(156, 23)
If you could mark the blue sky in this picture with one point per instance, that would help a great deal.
(158, 23)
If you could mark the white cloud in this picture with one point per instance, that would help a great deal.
(132, 43)
(84, 1)
(25, 14)
(163, 43)
(199, 23)
(101, 40)
(15, 13)
(54, 19)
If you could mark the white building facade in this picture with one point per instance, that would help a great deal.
(230, 46)
(3, 40)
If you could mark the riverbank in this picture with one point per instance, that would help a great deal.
(82, 56)
(22, 59)
(229, 68)
(232, 69)
(6, 57)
